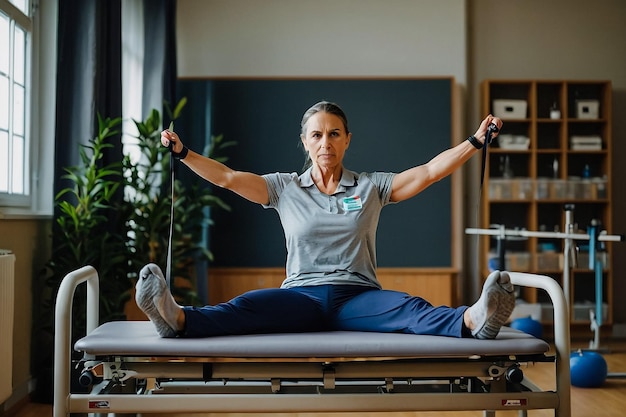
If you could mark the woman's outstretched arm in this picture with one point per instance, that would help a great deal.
(248, 185)
(411, 182)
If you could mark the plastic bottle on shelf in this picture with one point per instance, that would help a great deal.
(555, 168)
(586, 171)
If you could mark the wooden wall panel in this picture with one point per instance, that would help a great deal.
(437, 285)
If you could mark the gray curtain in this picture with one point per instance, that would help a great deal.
(159, 67)
(88, 77)
(89, 82)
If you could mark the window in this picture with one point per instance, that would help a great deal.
(28, 60)
(16, 28)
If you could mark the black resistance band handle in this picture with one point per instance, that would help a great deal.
(491, 129)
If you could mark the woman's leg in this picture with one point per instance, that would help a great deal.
(393, 311)
(259, 311)
(270, 310)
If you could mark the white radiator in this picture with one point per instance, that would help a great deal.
(7, 278)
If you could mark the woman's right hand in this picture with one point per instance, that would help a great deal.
(168, 137)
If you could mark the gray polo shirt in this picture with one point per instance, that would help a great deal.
(330, 239)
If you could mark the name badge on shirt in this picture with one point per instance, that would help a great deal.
(352, 203)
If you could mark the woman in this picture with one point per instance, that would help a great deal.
(329, 215)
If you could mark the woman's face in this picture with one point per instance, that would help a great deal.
(326, 140)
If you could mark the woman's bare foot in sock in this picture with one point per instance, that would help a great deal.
(497, 300)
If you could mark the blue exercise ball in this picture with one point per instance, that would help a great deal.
(588, 369)
(528, 325)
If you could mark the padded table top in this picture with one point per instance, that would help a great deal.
(139, 338)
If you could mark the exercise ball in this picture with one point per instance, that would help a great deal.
(528, 325)
(588, 369)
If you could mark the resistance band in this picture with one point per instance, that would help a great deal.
(491, 129)
(168, 267)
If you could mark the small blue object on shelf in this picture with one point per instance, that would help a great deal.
(528, 325)
(494, 264)
(588, 369)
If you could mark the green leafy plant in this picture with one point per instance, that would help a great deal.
(88, 231)
(149, 195)
(116, 216)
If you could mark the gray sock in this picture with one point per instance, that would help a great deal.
(150, 289)
(166, 305)
(494, 306)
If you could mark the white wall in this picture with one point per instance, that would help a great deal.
(321, 38)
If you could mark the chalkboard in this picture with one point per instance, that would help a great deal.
(395, 124)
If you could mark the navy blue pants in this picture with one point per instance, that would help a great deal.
(324, 307)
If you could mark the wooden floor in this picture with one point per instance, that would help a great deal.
(607, 401)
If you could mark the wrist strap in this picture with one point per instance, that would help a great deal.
(475, 142)
(182, 154)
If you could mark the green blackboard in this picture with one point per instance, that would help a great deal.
(395, 124)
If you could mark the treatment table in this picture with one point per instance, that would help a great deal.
(128, 368)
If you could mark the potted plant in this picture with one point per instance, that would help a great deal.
(87, 231)
(150, 204)
(116, 217)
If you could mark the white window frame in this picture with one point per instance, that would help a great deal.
(40, 111)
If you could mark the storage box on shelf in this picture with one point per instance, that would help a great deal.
(587, 109)
(515, 261)
(571, 189)
(549, 261)
(554, 149)
(582, 311)
(510, 109)
(510, 188)
(513, 142)
(603, 257)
